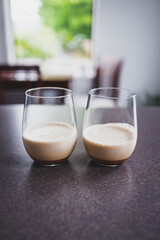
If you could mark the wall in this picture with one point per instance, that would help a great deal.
(130, 30)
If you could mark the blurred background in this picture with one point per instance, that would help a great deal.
(80, 44)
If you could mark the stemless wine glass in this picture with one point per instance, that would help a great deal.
(49, 125)
(110, 125)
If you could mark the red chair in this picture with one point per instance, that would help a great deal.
(15, 79)
(108, 72)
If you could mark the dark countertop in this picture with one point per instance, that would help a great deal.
(79, 199)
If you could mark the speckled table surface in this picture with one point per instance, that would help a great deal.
(79, 199)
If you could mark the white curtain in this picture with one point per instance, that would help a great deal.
(95, 30)
(7, 50)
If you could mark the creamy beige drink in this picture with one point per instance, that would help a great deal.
(49, 143)
(111, 143)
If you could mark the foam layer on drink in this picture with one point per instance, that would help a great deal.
(110, 142)
(51, 141)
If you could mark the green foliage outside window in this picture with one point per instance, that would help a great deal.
(68, 17)
(26, 50)
(69, 20)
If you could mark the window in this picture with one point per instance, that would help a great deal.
(46, 29)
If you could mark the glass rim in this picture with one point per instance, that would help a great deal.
(27, 92)
(132, 93)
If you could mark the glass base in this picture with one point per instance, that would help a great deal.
(49, 163)
(106, 163)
